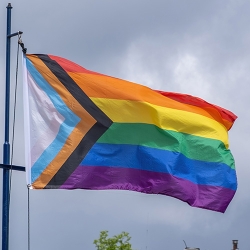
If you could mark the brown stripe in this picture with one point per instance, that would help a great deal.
(87, 121)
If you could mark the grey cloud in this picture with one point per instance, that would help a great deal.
(200, 47)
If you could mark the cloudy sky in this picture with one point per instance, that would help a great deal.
(197, 47)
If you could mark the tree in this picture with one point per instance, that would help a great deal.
(117, 242)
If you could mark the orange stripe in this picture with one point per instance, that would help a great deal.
(225, 117)
(87, 121)
(108, 87)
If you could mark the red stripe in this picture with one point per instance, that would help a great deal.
(198, 102)
(70, 66)
(217, 111)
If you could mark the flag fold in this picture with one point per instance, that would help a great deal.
(91, 131)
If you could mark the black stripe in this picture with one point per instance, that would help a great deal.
(76, 157)
(102, 124)
(75, 90)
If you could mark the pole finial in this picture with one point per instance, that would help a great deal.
(9, 6)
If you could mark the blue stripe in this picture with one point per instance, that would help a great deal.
(66, 128)
(162, 161)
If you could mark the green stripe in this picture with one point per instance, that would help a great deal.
(193, 147)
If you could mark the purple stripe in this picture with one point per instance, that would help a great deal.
(101, 178)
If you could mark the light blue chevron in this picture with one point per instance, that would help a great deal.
(66, 128)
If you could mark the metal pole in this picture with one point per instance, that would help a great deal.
(6, 146)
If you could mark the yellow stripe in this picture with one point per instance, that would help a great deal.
(124, 111)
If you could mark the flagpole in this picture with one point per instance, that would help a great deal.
(6, 145)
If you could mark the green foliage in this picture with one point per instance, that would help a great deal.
(117, 242)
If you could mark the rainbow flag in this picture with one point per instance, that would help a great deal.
(91, 131)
